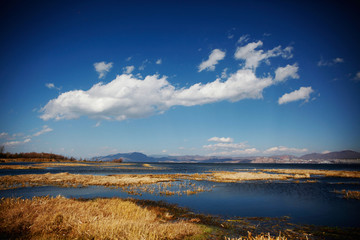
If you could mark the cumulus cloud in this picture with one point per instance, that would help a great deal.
(221, 139)
(128, 97)
(329, 63)
(215, 56)
(45, 129)
(282, 149)
(301, 94)
(102, 68)
(159, 61)
(289, 71)
(253, 57)
(128, 69)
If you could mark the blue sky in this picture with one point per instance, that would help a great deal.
(226, 78)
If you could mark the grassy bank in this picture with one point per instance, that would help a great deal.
(61, 218)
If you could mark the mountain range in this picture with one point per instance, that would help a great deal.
(346, 156)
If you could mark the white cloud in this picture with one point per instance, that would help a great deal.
(253, 57)
(283, 73)
(102, 68)
(302, 94)
(329, 63)
(143, 65)
(128, 97)
(357, 76)
(224, 74)
(128, 69)
(97, 124)
(45, 129)
(159, 61)
(13, 143)
(237, 152)
(3, 135)
(282, 149)
(50, 85)
(243, 39)
(338, 60)
(221, 139)
(128, 59)
(223, 145)
(215, 56)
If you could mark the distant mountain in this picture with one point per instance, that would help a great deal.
(316, 157)
(127, 157)
(348, 154)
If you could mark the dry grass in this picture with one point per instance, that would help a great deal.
(312, 172)
(61, 218)
(258, 237)
(348, 194)
(20, 167)
(75, 180)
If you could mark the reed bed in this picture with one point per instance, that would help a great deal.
(348, 194)
(77, 180)
(258, 237)
(62, 218)
(20, 167)
(312, 172)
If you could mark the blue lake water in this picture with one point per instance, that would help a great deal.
(308, 203)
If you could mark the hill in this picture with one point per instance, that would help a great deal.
(347, 154)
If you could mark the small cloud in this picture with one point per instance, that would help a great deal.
(128, 69)
(42, 131)
(159, 61)
(283, 73)
(282, 149)
(3, 135)
(221, 139)
(97, 124)
(329, 63)
(14, 143)
(325, 152)
(302, 94)
(267, 34)
(50, 85)
(338, 60)
(230, 36)
(243, 39)
(357, 77)
(164, 151)
(128, 59)
(214, 58)
(224, 73)
(102, 68)
(254, 56)
(237, 152)
(143, 65)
